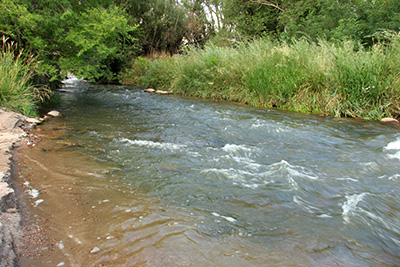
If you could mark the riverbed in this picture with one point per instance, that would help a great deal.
(128, 178)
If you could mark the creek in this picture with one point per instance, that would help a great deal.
(127, 178)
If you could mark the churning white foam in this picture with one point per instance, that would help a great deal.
(254, 175)
(229, 219)
(395, 145)
(395, 155)
(232, 148)
(145, 143)
(37, 202)
(71, 79)
(351, 204)
(34, 193)
(294, 171)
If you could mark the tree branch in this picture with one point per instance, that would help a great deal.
(267, 3)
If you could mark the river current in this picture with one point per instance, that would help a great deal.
(127, 178)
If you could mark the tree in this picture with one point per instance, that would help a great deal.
(162, 23)
(91, 38)
(330, 19)
(97, 42)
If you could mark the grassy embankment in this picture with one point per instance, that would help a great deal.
(16, 72)
(336, 79)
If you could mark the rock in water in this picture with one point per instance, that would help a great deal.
(161, 92)
(150, 90)
(390, 121)
(32, 121)
(54, 113)
(95, 250)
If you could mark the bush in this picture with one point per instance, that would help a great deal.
(340, 79)
(16, 93)
(16, 73)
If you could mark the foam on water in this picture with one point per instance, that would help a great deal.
(304, 204)
(296, 171)
(395, 145)
(258, 123)
(324, 216)
(347, 179)
(227, 218)
(145, 143)
(34, 193)
(232, 148)
(37, 202)
(247, 162)
(391, 178)
(253, 175)
(395, 155)
(351, 205)
(71, 79)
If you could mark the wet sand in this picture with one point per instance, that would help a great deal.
(53, 201)
(24, 239)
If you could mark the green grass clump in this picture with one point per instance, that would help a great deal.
(16, 70)
(155, 71)
(339, 79)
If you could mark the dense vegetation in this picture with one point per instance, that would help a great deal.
(335, 79)
(17, 75)
(342, 61)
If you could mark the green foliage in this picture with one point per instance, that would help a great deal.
(337, 79)
(16, 70)
(92, 38)
(98, 42)
(328, 19)
(155, 71)
(163, 24)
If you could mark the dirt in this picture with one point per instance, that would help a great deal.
(17, 235)
(11, 234)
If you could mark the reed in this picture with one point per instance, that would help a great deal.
(339, 79)
(16, 70)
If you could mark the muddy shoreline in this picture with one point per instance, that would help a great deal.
(21, 237)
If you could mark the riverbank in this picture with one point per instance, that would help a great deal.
(11, 232)
(17, 234)
(335, 79)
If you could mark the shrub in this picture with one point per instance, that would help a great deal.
(340, 79)
(16, 71)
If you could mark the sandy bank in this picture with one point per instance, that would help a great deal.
(10, 218)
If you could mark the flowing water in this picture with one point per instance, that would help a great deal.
(127, 178)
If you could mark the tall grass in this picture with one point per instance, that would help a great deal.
(337, 79)
(16, 70)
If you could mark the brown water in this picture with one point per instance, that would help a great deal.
(80, 208)
(132, 179)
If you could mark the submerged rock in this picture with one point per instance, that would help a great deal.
(30, 126)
